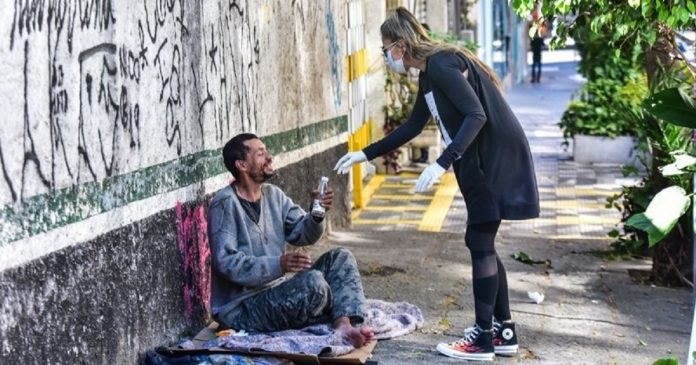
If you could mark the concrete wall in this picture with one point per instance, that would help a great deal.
(437, 12)
(114, 114)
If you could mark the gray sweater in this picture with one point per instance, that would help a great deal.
(246, 255)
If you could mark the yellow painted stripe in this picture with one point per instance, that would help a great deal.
(401, 197)
(576, 237)
(367, 192)
(409, 175)
(355, 214)
(372, 186)
(399, 185)
(582, 190)
(386, 221)
(572, 221)
(356, 64)
(594, 192)
(394, 209)
(434, 216)
(570, 204)
(568, 192)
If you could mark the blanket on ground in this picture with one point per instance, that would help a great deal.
(387, 320)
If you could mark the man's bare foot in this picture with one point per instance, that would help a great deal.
(358, 337)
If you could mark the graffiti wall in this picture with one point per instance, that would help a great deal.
(99, 88)
(95, 89)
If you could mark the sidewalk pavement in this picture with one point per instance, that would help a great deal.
(411, 248)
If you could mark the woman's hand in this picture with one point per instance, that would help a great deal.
(428, 177)
(348, 160)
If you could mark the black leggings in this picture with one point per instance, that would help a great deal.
(489, 276)
(536, 71)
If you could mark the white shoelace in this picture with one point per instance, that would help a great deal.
(496, 327)
(470, 335)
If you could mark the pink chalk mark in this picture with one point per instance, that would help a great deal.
(203, 259)
(192, 242)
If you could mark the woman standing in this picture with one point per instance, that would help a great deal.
(489, 153)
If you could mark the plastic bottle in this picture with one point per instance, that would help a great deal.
(317, 210)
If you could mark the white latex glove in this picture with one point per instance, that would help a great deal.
(349, 159)
(428, 177)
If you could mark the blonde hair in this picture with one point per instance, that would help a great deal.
(402, 25)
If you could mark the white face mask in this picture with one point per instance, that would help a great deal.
(398, 65)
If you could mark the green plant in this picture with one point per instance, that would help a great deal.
(653, 27)
(596, 59)
(635, 239)
(401, 94)
(606, 107)
(671, 360)
(650, 25)
(673, 105)
(451, 39)
(656, 210)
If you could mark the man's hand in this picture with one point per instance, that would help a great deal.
(328, 198)
(295, 262)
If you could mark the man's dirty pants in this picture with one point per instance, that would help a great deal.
(330, 289)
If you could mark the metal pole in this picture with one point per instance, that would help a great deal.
(457, 18)
(692, 343)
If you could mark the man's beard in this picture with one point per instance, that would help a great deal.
(261, 176)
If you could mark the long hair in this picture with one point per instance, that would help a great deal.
(401, 24)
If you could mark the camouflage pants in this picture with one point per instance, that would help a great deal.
(330, 289)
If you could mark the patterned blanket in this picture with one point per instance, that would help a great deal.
(388, 320)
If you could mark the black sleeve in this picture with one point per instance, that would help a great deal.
(405, 132)
(446, 74)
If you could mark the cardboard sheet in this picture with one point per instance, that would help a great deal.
(357, 356)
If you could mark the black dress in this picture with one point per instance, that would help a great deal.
(486, 145)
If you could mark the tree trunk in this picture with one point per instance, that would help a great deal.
(672, 258)
(658, 58)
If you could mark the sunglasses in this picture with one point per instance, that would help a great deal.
(387, 48)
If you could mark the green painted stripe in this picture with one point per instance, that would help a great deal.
(42, 213)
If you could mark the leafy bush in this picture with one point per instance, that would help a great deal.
(401, 93)
(606, 107)
(664, 139)
(599, 61)
(451, 39)
(671, 360)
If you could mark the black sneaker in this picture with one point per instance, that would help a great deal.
(505, 339)
(496, 327)
(476, 345)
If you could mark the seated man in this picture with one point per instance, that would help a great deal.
(249, 223)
